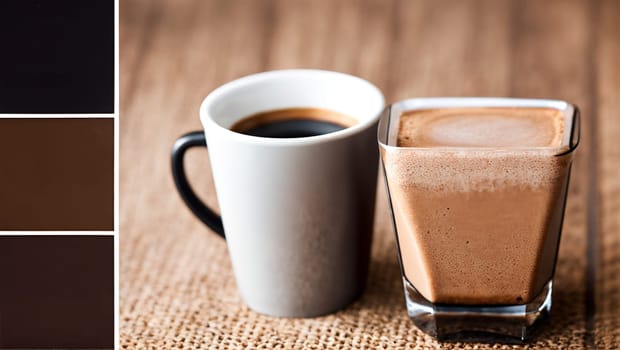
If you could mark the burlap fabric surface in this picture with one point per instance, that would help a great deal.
(178, 291)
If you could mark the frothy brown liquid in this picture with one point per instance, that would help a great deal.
(478, 217)
(482, 127)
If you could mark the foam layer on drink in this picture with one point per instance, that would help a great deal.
(481, 127)
(477, 197)
(478, 149)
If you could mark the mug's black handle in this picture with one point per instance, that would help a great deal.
(204, 213)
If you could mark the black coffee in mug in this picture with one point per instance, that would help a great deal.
(286, 195)
(293, 122)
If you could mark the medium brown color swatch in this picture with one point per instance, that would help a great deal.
(57, 174)
(56, 292)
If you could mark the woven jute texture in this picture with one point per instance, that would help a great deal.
(607, 320)
(178, 291)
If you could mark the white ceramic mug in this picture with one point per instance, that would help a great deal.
(297, 213)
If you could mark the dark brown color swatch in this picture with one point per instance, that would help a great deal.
(57, 174)
(56, 292)
(57, 56)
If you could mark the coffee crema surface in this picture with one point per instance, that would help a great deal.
(477, 196)
(293, 122)
(481, 127)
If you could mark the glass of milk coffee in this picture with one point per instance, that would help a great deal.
(477, 189)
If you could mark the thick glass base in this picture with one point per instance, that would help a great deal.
(514, 324)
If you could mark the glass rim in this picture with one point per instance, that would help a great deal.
(570, 137)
